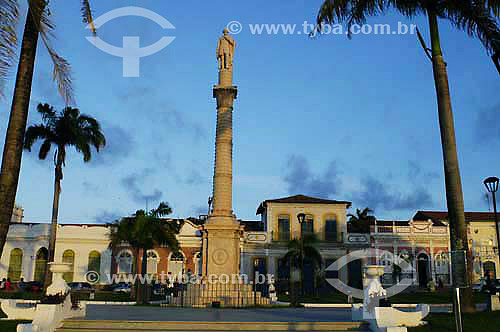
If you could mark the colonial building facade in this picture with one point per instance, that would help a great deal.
(424, 240)
(86, 247)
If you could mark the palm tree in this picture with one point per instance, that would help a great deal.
(300, 250)
(360, 223)
(68, 128)
(144, 231)
(37, 23)
(479, 19)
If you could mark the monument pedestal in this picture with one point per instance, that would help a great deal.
(222, 241)
(232, 295)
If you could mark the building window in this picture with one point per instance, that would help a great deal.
(307, 228)
(69, 257)
(152, 264)
(176, 265)
(198, 264)
(331, 229)
(283, 228)
(15, 264)
(124, 262)
(94, 262)
(42, 256)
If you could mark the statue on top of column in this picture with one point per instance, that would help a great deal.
(225, 51)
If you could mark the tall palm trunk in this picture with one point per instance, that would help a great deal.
(142, 286)
(454, 194)
(13, 147)
(58, 175)
(136, 272)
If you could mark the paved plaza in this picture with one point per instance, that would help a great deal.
(148, 313)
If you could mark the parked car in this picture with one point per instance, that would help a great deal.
(31, 286)
(121, 288)
(481, 286)
(158, 289)
(80, 286)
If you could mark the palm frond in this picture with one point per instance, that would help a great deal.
(361, 10)
(92, 131)
(493, 6)
(84, 148)
(44, 149)
(474, 18)
(9, 19)
(293, 244)
(333, 11)
(162, 210)
(87, 15)
(34, 133)
(313, 254)
(496, 60)
(62, 69)
(46, 111)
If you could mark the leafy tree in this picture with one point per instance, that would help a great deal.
(144, 231)
(37, 24)
(360, 223)
(479, 18)
(300, 250)
(62, 130)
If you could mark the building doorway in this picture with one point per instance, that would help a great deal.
(283, 281)
(355, 274)
(260, 267)
(423, 269)
(489, 267)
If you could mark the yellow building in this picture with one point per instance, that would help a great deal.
(265, 241)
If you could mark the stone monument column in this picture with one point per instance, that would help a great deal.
(222, 229)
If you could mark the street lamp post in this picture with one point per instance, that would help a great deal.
(491, 184)
(255, 267)
(301, 217)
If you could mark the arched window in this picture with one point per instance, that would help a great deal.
(124, 262)
(307, 227)
(152, 263)
(94, 262)
(42, 256)
(441, 263)
(489, 267)
(69, 257)
(331, 228)
(283, 228)
(176, 264)
(15, 264)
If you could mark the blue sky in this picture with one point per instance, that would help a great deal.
(331, 117)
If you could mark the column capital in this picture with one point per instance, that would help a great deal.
(225, 96)
(223, 90)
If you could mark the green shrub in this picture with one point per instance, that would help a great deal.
(21, 295)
